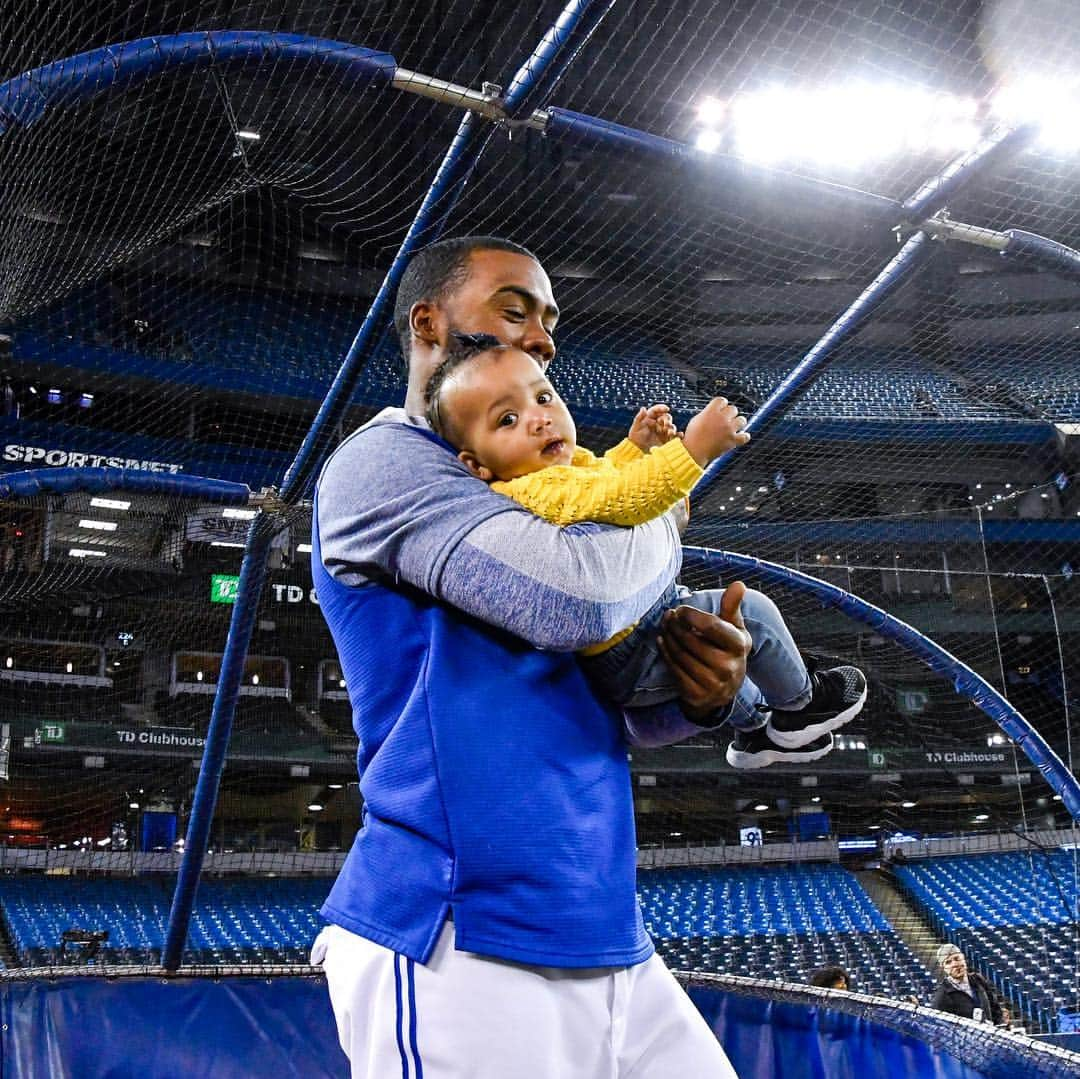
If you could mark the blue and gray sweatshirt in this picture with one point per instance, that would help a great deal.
(495, 785)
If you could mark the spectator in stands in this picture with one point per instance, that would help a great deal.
(493, 879)
(494, 404)
(830, 978)
(964, 992)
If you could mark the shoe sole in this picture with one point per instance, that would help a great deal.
(804, 735)
(763, 758)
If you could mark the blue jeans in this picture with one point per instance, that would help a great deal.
(634, 674)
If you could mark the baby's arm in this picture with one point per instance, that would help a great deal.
(636, 491)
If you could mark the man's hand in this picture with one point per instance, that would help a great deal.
(707, 653)
(652, 426)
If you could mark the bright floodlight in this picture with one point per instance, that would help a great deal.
(850, 124)
(711, 111)
(1051, 103)
(708, 141)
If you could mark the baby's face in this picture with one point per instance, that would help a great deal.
(508, 419)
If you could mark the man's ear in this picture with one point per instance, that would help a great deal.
(427, 322)
(475, 467)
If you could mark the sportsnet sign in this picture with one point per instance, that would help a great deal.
(58, 458)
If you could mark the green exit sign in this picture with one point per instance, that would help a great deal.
(52, 732)
(223, 587)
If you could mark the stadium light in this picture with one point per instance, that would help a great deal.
(83, 552)
(708, 141)
(101, 526)
(760, 808)
(315, 807)
(711, 111)
(110, 503)
(982, 817)
(1051, 103)
(908, 805)
(249, 136)
(850, 124)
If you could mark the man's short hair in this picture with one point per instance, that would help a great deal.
(437, 270)
(828, 977)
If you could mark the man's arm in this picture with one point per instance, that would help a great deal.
(395, 504)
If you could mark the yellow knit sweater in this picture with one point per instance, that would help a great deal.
(624, 487)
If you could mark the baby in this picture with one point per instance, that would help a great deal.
(495, 406)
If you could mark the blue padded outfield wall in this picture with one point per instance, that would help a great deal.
(90, 1027)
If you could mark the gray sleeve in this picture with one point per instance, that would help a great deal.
(394, 504)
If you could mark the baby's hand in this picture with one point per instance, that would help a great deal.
(652, 426)
(717, 428)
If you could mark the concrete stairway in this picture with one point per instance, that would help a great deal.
(909, 922)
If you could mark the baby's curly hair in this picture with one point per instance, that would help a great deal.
(462, 348)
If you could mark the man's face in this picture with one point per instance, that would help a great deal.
(955, 966)
(507, 419)
(506, 295)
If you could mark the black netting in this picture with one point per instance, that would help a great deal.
(184, 263)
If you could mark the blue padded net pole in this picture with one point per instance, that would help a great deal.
(903, 264)
(570, 33)
(1037, 250)
(454, 167)
(725, 172)
(431, 216)
(967, 683)
(969, 166)
(927, 200)
(62, 481)
(125, 65)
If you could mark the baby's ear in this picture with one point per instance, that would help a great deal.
(475, 467)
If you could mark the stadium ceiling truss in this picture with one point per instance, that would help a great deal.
(921, 222)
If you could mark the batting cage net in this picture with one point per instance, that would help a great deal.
(855, 222)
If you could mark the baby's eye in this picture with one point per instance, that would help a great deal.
(544, 397)
(508, 419)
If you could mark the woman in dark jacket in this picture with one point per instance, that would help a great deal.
(963, 992)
